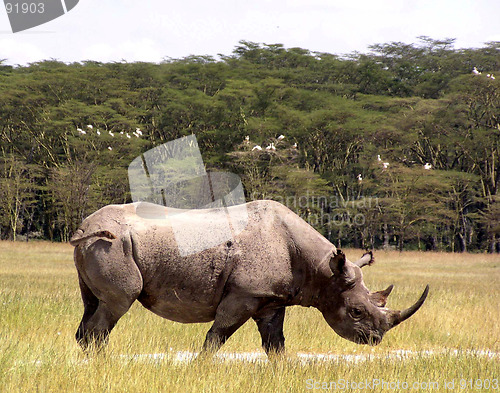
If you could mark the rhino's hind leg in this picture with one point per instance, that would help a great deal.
(94, 333)
(270, 326)
(110, 282)
(99, 317)
(90, 304)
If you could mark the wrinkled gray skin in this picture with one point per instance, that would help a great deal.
(277, 261)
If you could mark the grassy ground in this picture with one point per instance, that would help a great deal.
(40, 309)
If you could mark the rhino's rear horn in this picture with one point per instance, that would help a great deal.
(405, 314)
(380, 297)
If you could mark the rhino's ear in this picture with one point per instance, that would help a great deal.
(337, 263)
(339, 267)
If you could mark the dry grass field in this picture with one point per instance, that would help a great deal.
(453, 339)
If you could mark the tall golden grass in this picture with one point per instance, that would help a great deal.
(453, 339)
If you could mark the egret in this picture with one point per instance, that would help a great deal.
(295, 145)
(360, 178)
(476, 72)
(121, 132)
(90, 126)
(385, 165)
(247, 138)
(98, 132)
(110, 133)
(257, 147)
(110, 148)
(281, 137)
(128, 136)
(135, 134)
(81, 131)
(271, 147)
(378, 157)
(427, 166)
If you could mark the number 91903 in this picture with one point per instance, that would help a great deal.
(25, 8)
(480, 384)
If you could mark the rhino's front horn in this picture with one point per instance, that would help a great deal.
(405, 314)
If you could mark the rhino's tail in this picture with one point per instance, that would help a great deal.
(79, 236)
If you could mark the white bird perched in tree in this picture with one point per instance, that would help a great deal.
(110, 148)
(271, 147)
(427, 166)
(378, 157)
(128, 136)
(121, 132)
(281, 137)
(476, 72)
(295, 145)
(257, 147)
(490, 76)
(360, 178)
(90, 126)
(138, 131)
(385, 165)
(110, 133)
(81, 131)
(247, 139)
(98, 132)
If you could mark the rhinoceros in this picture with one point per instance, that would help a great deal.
(277, 260)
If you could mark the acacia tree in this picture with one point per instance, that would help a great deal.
(490, 217)
(72, 197)
(18, 189)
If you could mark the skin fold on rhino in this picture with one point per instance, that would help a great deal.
(277, 261)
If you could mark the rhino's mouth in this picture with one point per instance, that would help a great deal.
(368, 339)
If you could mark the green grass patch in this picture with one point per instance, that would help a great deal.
(40, 309)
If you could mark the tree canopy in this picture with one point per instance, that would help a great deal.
(397, 147)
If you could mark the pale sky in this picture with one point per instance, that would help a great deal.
(151, 30)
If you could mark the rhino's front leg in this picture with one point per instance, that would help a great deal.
(270, 325)
(232, 312)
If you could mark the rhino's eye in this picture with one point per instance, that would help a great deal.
(355, 313)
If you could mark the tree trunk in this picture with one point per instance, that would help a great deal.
(463, 243)
(386, 236)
